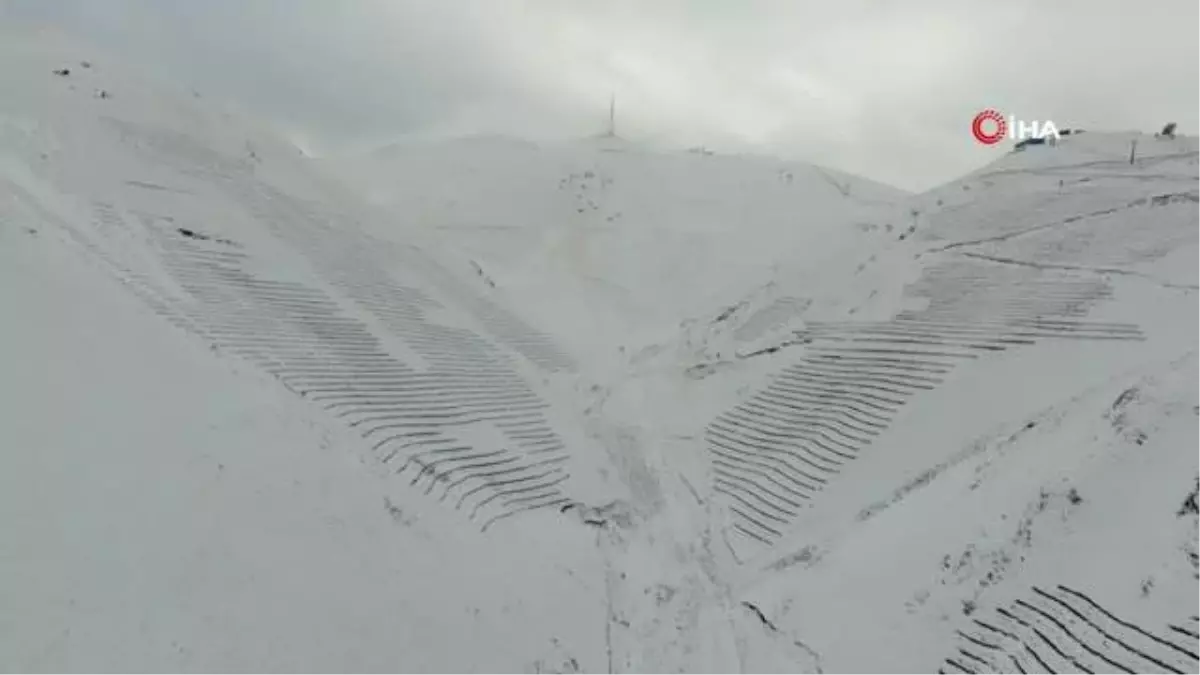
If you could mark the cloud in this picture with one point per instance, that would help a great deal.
(884, 89)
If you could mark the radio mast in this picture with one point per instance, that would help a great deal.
(612, 116)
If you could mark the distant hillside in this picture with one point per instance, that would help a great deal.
(610, 244)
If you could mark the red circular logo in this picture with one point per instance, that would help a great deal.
(980, 127)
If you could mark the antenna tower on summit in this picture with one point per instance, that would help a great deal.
(612, 116)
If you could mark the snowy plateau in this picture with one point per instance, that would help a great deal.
(488, 405)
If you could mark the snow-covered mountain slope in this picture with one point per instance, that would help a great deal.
(607, 244)
(168, 507)
(239, 433)
(253, 421)
(971, 415)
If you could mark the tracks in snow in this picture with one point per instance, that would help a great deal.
(411, 414)
(1018, 284)
(441, 406)
(1063, 630)
(774, 452)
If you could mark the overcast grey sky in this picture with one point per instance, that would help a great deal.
(883, 88)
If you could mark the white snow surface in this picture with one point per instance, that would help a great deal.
(611, 245)
(483, 405)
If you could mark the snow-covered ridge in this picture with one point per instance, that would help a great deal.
(624, 241)
(977, 318)
(405, 412)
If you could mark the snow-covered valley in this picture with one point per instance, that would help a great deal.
(485, 405)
